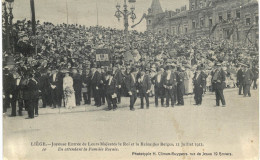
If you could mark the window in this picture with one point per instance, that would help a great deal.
(248, 21)
(193, 24)
(238, 14)
(167, 30)
(201, 22)
(160, 32)
(220, 18)
(192, 6)
(210, 22)
(256, 19)
(149, 21)
(186, 30)
(228, 15)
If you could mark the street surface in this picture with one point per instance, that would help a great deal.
(233, 129)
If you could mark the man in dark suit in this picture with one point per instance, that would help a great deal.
(8, 89)
(159, 90)
(131, 87)
(119, 80)
(198, 81)
(44, 86)
(256, 74)
(102, 85)
(169, 85)
(240, 79)
(86, 84)
(110, 90)
(218, 80)
(56, 88)
(95, 82)
(180, 86)
(33, 93)
(16, 95)
(144, 87)
(247, 79)
(77, 85)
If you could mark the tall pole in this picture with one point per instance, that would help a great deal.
(67, 12)
(7, 44)
(33, 17)
(97, 12)
(126, 23)
(34, 24)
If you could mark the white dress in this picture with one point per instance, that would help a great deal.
(69, 98)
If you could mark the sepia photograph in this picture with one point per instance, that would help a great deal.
(130, 79)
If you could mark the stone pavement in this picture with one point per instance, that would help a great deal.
(232, 129)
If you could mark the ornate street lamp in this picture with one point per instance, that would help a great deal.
(126, 13)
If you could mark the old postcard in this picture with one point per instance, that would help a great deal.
(130, 79)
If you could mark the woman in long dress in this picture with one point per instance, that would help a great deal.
(69, 93)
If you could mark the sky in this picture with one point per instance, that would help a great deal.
(84, 12)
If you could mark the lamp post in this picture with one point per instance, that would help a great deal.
(8, 4)
(126, 13)
(8, 16)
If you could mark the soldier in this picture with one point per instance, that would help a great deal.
(144, 87)
(180, 86)
(198, 81)
(247, 79)
(218, 80)
(240, 80)
(110, 90)
(169, 85)
(159, 90)
(131, 87)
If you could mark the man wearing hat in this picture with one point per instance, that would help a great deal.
(44, 87)
(159, 90)
(110, 90)
(8, 88)
(77, 85)
(119, 80)
(180, 86)
(95, 83)
(102, 85)
(247, 79)
(198, 81)
(131, 83)
(240, 79)
(144, 87)
(218, 80)
(56, 88)
(169, 85)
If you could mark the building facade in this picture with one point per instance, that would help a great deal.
(235, 20)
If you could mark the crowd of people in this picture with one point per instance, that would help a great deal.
(63, 72)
